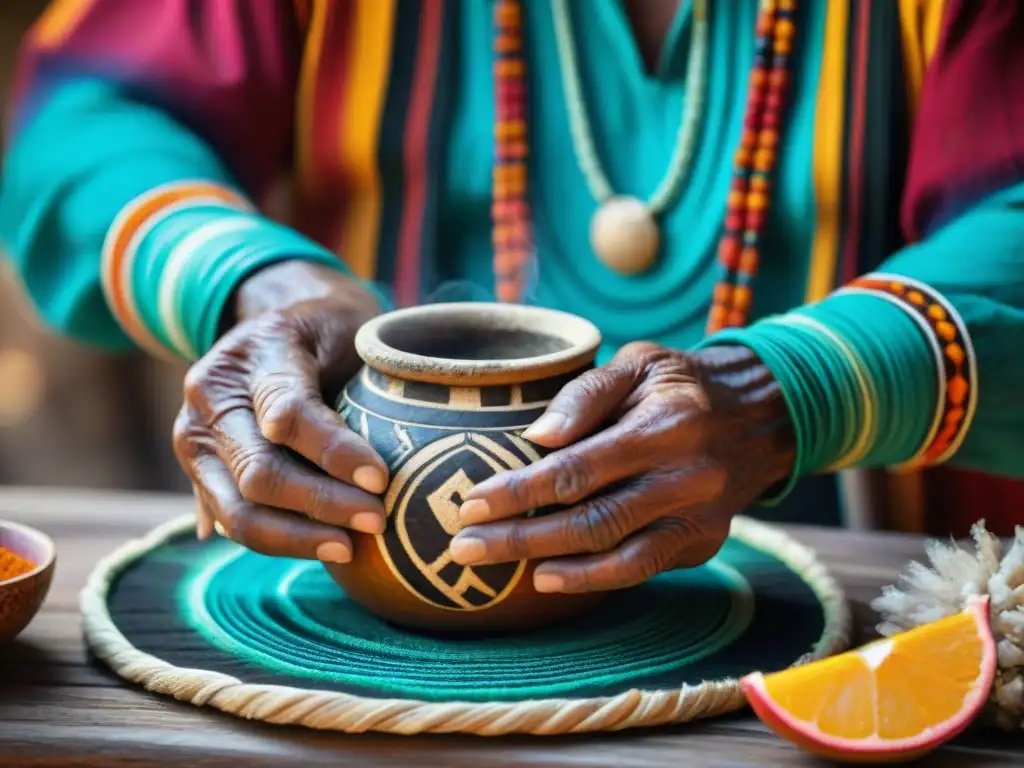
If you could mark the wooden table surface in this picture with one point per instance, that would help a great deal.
(59, 708)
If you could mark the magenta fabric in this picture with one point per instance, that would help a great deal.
(226, 68)
(968, 141)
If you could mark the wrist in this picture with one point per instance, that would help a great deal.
(743, 389)
(293, 281)
(856, 379)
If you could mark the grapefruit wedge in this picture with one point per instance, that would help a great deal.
(893, 699)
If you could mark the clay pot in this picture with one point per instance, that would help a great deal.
(445, 394)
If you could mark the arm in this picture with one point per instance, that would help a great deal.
(922, 365)
(142, 134)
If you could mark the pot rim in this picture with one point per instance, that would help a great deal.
(582, 336)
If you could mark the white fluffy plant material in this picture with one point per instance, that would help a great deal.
(924, 594)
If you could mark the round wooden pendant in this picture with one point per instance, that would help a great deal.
(625, 236)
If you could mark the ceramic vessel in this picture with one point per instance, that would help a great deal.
(444, 396)
(22, 596)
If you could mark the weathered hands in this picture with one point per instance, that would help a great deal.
(272, 465)
(670, 447)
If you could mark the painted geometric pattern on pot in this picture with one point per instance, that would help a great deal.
(513, 396)
(423, 503)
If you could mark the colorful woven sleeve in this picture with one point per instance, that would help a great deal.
(131, 118)
(921, 362)
(915, 365)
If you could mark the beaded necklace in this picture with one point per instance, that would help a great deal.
(624, 231)
(755, 159)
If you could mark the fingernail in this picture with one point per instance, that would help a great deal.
(333, 552)
(467, 550)
(474, 511)
(548, 582)
(545, 426)
(370, 479)
(220, 529)
(367, 522)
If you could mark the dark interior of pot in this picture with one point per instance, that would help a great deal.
(467, 337)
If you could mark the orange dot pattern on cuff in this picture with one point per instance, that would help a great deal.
(122, 240)
(956, 364)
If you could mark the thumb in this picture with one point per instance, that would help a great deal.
(290, 410)
(584, 404)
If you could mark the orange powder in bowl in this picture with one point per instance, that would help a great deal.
(13, 565)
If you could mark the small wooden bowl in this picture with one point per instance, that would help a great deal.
(22, 596)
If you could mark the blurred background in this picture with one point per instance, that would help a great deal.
(70, 416)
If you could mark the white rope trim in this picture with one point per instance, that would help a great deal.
(329, 710)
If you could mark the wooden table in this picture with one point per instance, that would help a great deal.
(58, 708)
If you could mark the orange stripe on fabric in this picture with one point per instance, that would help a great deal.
(115, 249)
(360, 131)
(58, 21)
(305, 117)
(857, 105)
(828, 152)
(920, 28)
(415, 151)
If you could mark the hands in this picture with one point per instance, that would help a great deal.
(272, 465)
(670, 447)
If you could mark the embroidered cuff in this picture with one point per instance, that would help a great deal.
(174, 256)
(861, 388)
(955, 363)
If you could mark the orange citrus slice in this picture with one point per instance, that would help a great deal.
(894, 699)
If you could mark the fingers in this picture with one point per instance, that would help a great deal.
(583, 405)
(260, 528)
(290, 412)
(589, 400)
(560, 478)
(265, 475)
(666, 545)
(204, 520)
(597, 525)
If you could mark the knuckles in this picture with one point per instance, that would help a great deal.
(258, 476)
(574, 477)
(647, 563)
(195, 384)
(599, 525)
(279, 411)
(642, 352)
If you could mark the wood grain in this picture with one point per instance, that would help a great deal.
(58, 708)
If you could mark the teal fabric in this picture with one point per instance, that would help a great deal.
(62, 189)
(988, 294)
(60, 194)
(214, 267)
(861, 379)
(215, 606)
(977, 262)
(634, 117)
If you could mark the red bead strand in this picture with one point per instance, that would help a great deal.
(512, 233)
(749, 199)
(739, 253)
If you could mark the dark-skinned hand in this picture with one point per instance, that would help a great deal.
(273, 466)
(655, 453)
